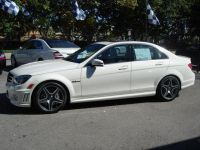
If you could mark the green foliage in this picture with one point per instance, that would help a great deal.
(179, 19)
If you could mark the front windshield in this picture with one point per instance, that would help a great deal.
(85, 53)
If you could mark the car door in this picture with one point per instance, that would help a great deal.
(148, 65)
(36, 52)
(21, 53)
(111, 79)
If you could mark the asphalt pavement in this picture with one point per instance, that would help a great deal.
(127, 124)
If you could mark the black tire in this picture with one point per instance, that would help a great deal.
(13, 61)
(168, 88)
(49, 97)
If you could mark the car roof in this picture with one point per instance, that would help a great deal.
(123, 42)
(103, 43)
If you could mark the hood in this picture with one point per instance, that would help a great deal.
(46, 66)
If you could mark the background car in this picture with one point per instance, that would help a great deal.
(2, 60)
(101, 71)
(42, 49)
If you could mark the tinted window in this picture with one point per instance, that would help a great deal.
(146, 52)
(60, 44)
(36, 45)
(115, 54)
(28, 45)
(83, 54)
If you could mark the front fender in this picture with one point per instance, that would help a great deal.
(55, 77)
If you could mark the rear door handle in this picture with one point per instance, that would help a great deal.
(123, 68)
(159, 64)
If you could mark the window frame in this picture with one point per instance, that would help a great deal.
(128, 46)
(133, 55)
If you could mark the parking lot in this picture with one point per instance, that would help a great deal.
(140, 123)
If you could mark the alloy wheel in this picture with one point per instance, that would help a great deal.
(51, 97)
(169, 88)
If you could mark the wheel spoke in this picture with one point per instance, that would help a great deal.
(170, 82)
(165, 87)
(170, 94)
(57, 100)
(46, 91)
(174, 89)
(49, 105)
(165, 94)
(44, 100)
(56, 91)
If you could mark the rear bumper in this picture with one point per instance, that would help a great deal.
(188, 82)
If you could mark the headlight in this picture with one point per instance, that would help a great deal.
(21, 79)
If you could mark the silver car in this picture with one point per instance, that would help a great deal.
(40, 49)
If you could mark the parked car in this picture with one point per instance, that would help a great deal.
(2, 60)
(42, 49)
(101, 71)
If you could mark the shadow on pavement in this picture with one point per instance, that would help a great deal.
(191, 144)
(8, 68)
(7, 108)
(112, 103)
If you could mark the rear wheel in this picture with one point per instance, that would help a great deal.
(50, 97)
(168, 89)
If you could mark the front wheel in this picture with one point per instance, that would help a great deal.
(168, 89)
(50, 97)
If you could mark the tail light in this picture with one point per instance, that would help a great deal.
(57, 55)
(190, 66)
(2, 56)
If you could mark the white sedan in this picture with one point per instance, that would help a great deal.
(42, 49)
(101, 71)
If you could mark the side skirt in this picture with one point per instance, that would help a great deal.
(85, 99)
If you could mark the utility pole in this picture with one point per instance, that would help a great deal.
(146, 22)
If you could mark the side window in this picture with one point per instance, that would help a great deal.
(37, 45)
(26, 45)
(29, 45)
(115, 54)
(146, 52)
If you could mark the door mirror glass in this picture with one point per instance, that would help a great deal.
(97, 62)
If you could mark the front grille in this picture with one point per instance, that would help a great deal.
(10, 77)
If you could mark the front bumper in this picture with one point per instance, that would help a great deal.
(18, 96)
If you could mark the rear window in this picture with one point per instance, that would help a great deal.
(61, 44)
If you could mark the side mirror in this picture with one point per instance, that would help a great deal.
(97, 62)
